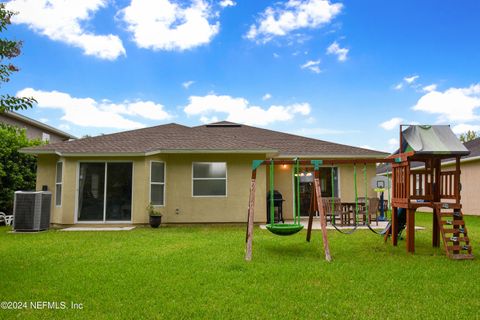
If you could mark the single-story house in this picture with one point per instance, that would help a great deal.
(469, 178)
(34, 129)
(192, 174)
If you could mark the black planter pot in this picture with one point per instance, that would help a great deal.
(155, 221)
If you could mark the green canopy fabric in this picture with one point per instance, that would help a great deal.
(438, 139)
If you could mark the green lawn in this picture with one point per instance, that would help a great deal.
(199, 272)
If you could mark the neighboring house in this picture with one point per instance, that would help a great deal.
(193, 174)
(34, 129)
(469, 178)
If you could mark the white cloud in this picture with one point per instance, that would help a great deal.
(408, 81)
(462, 128)
(335, 49)
(64, 127)
(144, 109)
(312, 65)
(62, 21)
(283, 18)
(392, 144)
(204, 119)
(44, 120)
(315, 132)
(430, 88)
(227, 3)
(187, 84)
(366, 146)
(87, 112)
(266, 96)
(391, 124)
(452, 105)
(411, 79)
(276, 55)
(166, 25)
(239, 110)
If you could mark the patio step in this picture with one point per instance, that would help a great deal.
(454, 234)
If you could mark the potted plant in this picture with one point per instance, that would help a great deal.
(155, 216)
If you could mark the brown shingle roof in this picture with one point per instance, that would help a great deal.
(287, 144)
(220, 136)
(159, 138)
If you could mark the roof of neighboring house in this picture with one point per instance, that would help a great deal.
(38, 124)
(216, 137)
(473, 146)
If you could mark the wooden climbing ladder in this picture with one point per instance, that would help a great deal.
(454, 232)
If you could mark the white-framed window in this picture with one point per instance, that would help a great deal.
(58, 184)
(209, 179)
(45, 137)
(157, 183)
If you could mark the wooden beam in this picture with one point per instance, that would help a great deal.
(332, 161)
(411, 230)
(313, 208)
(435, 228)
(394, 226)
(323, 221)
(251, 209)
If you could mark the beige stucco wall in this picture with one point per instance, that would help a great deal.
(470, 179)
(46, 171)
(347, 186)
(180, 205)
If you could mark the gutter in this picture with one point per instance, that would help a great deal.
(144, 154)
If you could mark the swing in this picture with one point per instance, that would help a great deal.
(355, 227)
(285, 229)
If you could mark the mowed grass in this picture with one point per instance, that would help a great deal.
(199, 272)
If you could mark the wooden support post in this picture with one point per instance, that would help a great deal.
(394, 226)
(435, 228)
(310, 215)
(251, 209)
(323, 221)
(436, 169)
(410, 230)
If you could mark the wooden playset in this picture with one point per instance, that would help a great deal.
(425, 172)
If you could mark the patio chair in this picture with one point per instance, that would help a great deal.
(333, 212)
(373, 204)
(7, 219)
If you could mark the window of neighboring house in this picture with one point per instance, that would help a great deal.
(58, 184)
(209, 179)
(45, 137)
(157, 183)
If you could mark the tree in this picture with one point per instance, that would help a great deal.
(468, 136)
(17, 170)
(10, 49)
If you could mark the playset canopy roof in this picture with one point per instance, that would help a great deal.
(432, 140)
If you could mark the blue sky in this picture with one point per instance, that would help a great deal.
(343, 71)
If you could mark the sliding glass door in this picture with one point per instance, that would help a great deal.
(105, 191)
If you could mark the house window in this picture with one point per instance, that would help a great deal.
(58, 184)
(157, 183)
(209, 179)
(45, 137)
